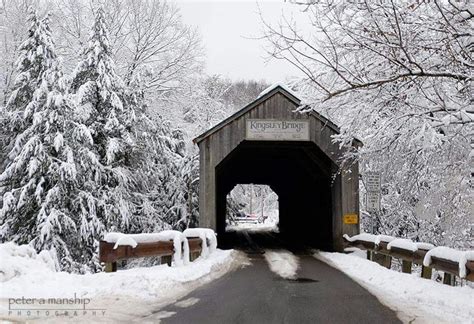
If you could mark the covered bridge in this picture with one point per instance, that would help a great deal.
(267, 142)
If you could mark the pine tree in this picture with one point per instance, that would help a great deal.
(107, 181)
(35, 57)
(40, 179)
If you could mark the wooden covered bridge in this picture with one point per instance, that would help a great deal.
(268, 142)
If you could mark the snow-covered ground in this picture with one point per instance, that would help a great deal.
(122, 296)
(269, 225)
(248, 227)
(283, 263)
(415, 300)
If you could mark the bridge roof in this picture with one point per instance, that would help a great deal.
(276, 89)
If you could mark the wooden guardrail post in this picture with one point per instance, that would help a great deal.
(406, 266)
(449, 279)
(387, 263)
(110, 266)
(382, 259)
(167, 259)
(426, 272)
(195, 247)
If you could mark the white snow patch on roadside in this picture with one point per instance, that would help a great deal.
(163, 314)
(19, 260)
(283, 263)
(416, 300)
(126, 294)
(356, 252)
(187, 302)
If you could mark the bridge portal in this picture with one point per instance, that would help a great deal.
(267, 142)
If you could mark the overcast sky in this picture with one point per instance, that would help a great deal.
(226, 28)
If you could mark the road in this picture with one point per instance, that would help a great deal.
(254, 294)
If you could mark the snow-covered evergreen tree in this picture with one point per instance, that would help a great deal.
(107, 182)
(40, 179)
(35, 57)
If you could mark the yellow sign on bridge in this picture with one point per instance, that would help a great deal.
(351, 219)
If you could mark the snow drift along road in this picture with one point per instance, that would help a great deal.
(125, 295)
(416, 300)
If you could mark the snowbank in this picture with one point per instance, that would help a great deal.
(178, 238)
(207, 236)
(416, 300)
(447, 253)
(134, 292)
(38, 279)
(19, 260)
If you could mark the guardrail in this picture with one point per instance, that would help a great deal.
(163, 249)
(382, 255)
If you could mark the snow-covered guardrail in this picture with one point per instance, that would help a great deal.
(169, 245)
(381, 249)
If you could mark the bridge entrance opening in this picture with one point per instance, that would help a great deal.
(299, 174)
(252, 208)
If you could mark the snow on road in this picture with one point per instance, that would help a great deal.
(415, 300)
(283, 263)
(124, 295)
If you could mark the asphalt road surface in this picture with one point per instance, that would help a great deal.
(254, 294)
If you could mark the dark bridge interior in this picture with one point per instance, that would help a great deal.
(298, 172)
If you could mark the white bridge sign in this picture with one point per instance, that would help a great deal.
(277, 130)
(373, 201)
(372, 181)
